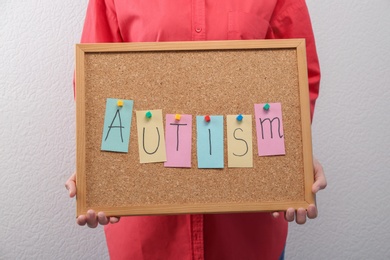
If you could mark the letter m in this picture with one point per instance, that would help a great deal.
(271, 121)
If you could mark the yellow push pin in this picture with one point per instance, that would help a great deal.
(177, 117)
(119, 103)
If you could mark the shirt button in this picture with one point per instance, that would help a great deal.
(198, 30)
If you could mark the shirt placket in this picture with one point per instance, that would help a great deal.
(198, 20)
(197, 237)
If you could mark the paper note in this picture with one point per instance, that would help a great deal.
(117, 125)
(210, 151)
(151, 141)
(269, 128)
(178, 138)
(239, 138)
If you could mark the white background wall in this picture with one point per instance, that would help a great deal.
(351, 132)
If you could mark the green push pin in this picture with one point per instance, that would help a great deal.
(148, 114)
(266, 107)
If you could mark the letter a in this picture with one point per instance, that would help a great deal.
(117, 126)
(118, 113)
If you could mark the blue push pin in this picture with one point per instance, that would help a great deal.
(239, 117)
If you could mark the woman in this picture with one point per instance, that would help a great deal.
(212, 236)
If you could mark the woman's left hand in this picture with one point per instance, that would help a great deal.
(300, 215)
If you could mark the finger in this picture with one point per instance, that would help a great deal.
(320, 182)
(82, 220)
(312, 211)
(70, 185)
(102, 219)
(92, 221)
(275, 214)
(289, 215)
(114, 220)
(301, 216)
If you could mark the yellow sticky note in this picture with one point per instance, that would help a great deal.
(151, 138)
(239, 137)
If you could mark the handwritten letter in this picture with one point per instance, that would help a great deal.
(117, 125)
(269, 128)
(151, 141)
(239, 137)
(210, 142)
(178, 141)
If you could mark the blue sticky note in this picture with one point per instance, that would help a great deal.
(210, 142)
(117, 125)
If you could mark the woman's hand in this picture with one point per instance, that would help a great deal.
(319, 184)
(91, 219)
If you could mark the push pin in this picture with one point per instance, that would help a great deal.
(239, 117)
(266, 107)
(119, 103)
(148, 114)
(177, 117)
(207, 118)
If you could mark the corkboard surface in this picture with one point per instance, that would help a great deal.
(196, 82)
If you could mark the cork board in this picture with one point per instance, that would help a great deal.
(197, 78)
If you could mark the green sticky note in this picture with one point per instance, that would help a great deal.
(117, 125)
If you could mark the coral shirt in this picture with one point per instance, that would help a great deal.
(212, 236)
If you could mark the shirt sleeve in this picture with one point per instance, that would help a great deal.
(101, 24)
(291, 20)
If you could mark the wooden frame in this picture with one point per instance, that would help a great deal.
(97, 189)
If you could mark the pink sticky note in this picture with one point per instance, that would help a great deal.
(269, 128)
(178, 141)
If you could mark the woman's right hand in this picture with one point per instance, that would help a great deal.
(91, 218)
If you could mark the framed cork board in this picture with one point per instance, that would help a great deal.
(195, 78)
